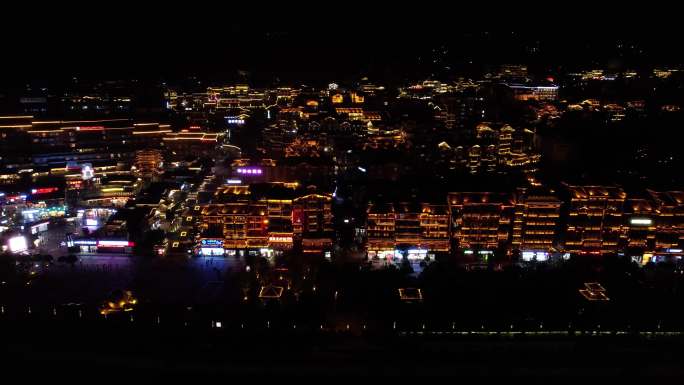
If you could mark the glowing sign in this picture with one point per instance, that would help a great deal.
(44, 190)
(234, 120)
(114, 243)
(641, 221)
(91, 222)
(234, 181)
(85, 242)
(674, 250)
(417, 251)
(87, 171)
(211, 242)
(212, 251)
(535, 256)
(17, 244)
(249, 171)
(280, 239)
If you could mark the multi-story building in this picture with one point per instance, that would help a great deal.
(536, 223)
(480, 220)
(312, 222)
(669, 206)
(43, 143)
(148, 162)
(266, 218)
(595, 219)
(411, 230)
(380, 229)
(640, 224)
(187, 142)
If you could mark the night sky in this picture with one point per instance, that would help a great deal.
(268, 46)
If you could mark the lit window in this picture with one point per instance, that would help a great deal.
(197, 208)
(188, 218)
(184, 233)
(175, 244)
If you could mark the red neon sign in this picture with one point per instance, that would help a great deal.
(44, 190)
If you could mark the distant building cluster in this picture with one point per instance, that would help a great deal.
(409, 172)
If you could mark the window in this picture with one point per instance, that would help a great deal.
(175, 244)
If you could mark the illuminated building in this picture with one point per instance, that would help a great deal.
(312, 222)
(669, 206)
(489, 158)
(414, 231)
(380, 228)
(513, 71)
(384, 139)
(664, 73)
(474, 155)
(239, 222)
(55, 142)
(148, 162)
(352, 113)
(267, 217)
(496, 150)
(357, 98)
(434, 227)
(505, 139)
(534, 92)
(640, 224)
(480, 220)
(614, 112)
(535, 222)
(595, 219)
(186, 142)
(461, 109)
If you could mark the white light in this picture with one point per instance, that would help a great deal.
(641, 221)
(87, 172)
(91, 222)
(212, 251)
(113, 243)
(17, 244)
(468, 252)
(346, 221)
(234, 181)
(674, 250)
(84, 242)
(362, 169)
(527, 255)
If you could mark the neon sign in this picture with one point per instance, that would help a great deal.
(211, 242)
(249, 171)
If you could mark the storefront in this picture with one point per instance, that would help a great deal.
(211, 247)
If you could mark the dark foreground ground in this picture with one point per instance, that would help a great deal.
(109, 350)
(529, 322)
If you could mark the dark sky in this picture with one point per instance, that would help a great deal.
(122, 43)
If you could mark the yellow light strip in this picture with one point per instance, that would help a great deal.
(17, 117)
(151, 132)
